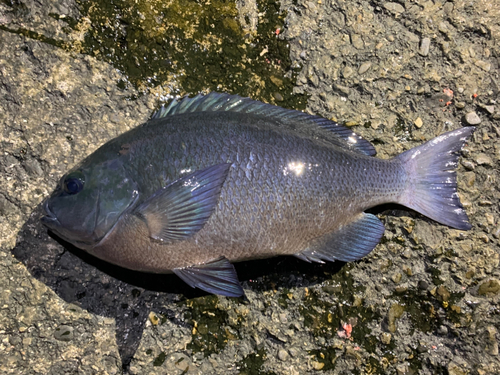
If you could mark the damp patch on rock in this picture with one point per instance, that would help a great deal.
(184, 47)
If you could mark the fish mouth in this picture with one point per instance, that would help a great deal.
(50, 220)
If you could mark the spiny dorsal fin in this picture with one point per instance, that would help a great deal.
(216, 102)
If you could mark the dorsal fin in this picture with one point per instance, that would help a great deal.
(216, 102)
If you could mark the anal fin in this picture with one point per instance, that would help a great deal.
(351, 242)
(217, 277)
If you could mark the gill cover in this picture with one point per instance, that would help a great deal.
(89, 201)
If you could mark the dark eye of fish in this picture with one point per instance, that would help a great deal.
(73, 185)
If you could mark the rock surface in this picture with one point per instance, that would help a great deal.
(424, 301)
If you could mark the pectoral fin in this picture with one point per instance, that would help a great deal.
(217, 277)
(179, 210)
(351, 242)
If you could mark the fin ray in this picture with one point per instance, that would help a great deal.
(432, 186)
(217, 277)
(343, 136)
(351, 242)
(182, 208)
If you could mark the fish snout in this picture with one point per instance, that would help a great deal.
(50, 220)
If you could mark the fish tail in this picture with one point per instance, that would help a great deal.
(432, 178)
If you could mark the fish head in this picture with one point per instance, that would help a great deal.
(89, 201)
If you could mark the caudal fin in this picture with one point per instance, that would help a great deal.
(432, 190)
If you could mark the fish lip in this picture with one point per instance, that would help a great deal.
(49, 219)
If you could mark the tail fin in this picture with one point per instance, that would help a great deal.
(432, 189)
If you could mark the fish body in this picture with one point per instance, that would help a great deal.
(218, 179)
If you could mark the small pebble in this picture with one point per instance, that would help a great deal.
(394, 7)
(395, 312)
(396, 278)
(486, 66)
(64, 333)
(424, 46)
(496, 232)
(153, 318)
(490, 287)
(472, 118)
(402, 369)
(468, 165)
(385, 337)
(490, 109)
(422, 349)
(282, 354)
(278, 96)
(483, 159)
(293, 352)
(489, 218)
(492, 348)
(442, 330)
(443, 293)
(418, 122)
(364, 67)
(423, 285)
(317, 365)
(347, 72)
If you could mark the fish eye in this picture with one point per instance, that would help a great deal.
(73, 184)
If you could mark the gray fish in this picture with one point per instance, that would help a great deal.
(216, 179)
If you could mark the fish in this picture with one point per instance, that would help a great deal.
(218, 178)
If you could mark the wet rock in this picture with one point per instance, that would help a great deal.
(490, 287)
(395, 312)
(443, 293)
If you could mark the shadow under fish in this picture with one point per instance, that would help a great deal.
(128, 296)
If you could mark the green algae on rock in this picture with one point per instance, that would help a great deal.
(186, 46)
